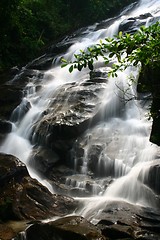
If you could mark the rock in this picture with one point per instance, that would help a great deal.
(42, 63)
(10, 98)
(98, 151)
(13, 90)
(72, 228)
(9, 230)
(45, 61)
(149, 77)
(65, 120)
(155, 108)
(34, 201)
(20, 111)
(83, 186)
(25, 198)
(43, 160)
(121, 220)
(132, 24)
(151, 176)
(6, 233)
(11, 168)
(25, 76)
(5, 126)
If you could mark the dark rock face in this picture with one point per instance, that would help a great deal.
(155, 109)
(10, 98)
(11, 168)
(65, 228)
(6, 233)
(43, 159)
(20, 111)
(24, 198)
(131, 25)
(151, 177)
(64, 121)
(120, 220)
(149, 77)
(13, 90)
(5, 126)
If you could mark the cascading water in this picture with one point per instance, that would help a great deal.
(122, 135)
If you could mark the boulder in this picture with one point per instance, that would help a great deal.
(45, 61)
(25, 198)
(82, 185)
(10, 98)
(11, 168)
(73, 227)
(132, 24)
(5, 126)
(149, 82)
(25, 76)
(64, 121)
(20, 111)
(42, 63)
(121, 220)
(151, 176)
(14, 89)
(43, 160)
(6, 233)
(98, 151)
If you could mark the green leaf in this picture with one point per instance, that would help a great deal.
(120, 34)
(90, 65)
(63, 60)
(64, 65)
(80, 67)
(71, 68)
(111, 55)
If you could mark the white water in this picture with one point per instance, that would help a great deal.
(125, 140)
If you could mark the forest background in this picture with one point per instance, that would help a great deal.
(28, 27)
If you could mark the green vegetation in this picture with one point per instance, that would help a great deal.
(28, 26)
(125, 50)
(142, 47)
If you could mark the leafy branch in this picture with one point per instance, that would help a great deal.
(141, 47)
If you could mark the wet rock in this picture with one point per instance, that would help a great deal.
(10, 98)
(20, 111)
(95, 159)
(33, 201)
(151, 176)
(46, 61)
(6, 233)
(83, 186)
(98, 151)
(11, 168)
(65, 120)
(25, 198)
(149, 82)
(132, 24)
(25, 76)
(121, 220)
(5, 126)
(43, 159)
(72, 228)
(42, 63)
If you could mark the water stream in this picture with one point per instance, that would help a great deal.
(125, 138)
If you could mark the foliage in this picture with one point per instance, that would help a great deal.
(27, 26)
(142, 47)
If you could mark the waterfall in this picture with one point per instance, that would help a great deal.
(122, 135)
